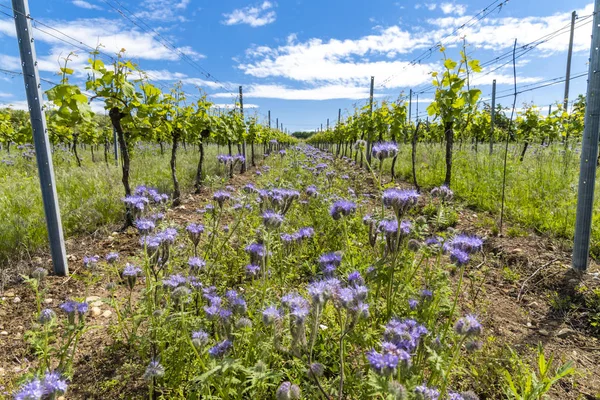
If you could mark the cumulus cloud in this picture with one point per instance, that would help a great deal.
(341, 68)
(451, 8)
(113, 35)
(253, 15)
(163, 10)
(85, 4)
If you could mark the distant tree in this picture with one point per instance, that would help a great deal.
(303, 135)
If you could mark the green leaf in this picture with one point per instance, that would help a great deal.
(449, 64)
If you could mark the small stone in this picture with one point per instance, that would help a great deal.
(98, 303)
(564, 332)
(3, 333)
(517, 250)
(91, 299)
(107, 314)
(17, 299)
(543, 332)
(2, 371)
(529, 324)
(48, 301)
(114, 234)
(72, 257)
(10, 294)
(96, 311)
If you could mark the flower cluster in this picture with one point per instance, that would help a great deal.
(460, 247)
(297, 237)
(50, 387)
(342, 208)
(384, 150)
(443, 192)
(400, 200)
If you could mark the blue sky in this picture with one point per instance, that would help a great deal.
(305, 59)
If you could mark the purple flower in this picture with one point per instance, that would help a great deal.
(404, 334)
(194, 231)
(154, 370)
(272, 220)
(131, 270)
(466, 243)
(442, 192)
(199, 339)
(319, 292)
(174, 281)
(252, 270)
(196, 263)
(220, 196)
(220, 348)
(468, 326)
(145, 226)
(46, 315)
(54, 384)
(355, 278)
(383, 364)
(82, 308)
(312, 191)
(400, 200)
(384, 150)
(257, 252)
(90, 261)
(287, 390)
(32, 390)
(459, 257)
(112, 257)
(306, 233)
(413, 304)
(425, 393)
(270, 315)
(342, 208)
(426, 294)
(69, 307)
(334, 259)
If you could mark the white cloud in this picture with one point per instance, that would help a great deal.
(113, 35)
(164, 75)
(229, 106)
(451, 8)
(253, 15)
(334, 68)
(499, 33)
(16, 105)
(5, 95)
(431, 6)
(334, 61)
(325, 92)
(85, 4)
(163, 10)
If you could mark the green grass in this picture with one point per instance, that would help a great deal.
(89, 196)
(541, 191)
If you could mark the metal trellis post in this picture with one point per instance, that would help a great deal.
(40, 136)
(493, 117)
(589, 153)
(569, 56)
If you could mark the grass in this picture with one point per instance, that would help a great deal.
(541, 191)
(88, 196)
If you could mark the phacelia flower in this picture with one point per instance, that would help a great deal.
(468, 326)
(288, 391)
(400, 200)
(53, 384)
(342, 208)
(111, 258)
(220, 349)
(272, 220)
(196, 263)
(32, 390)
(154, 370)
